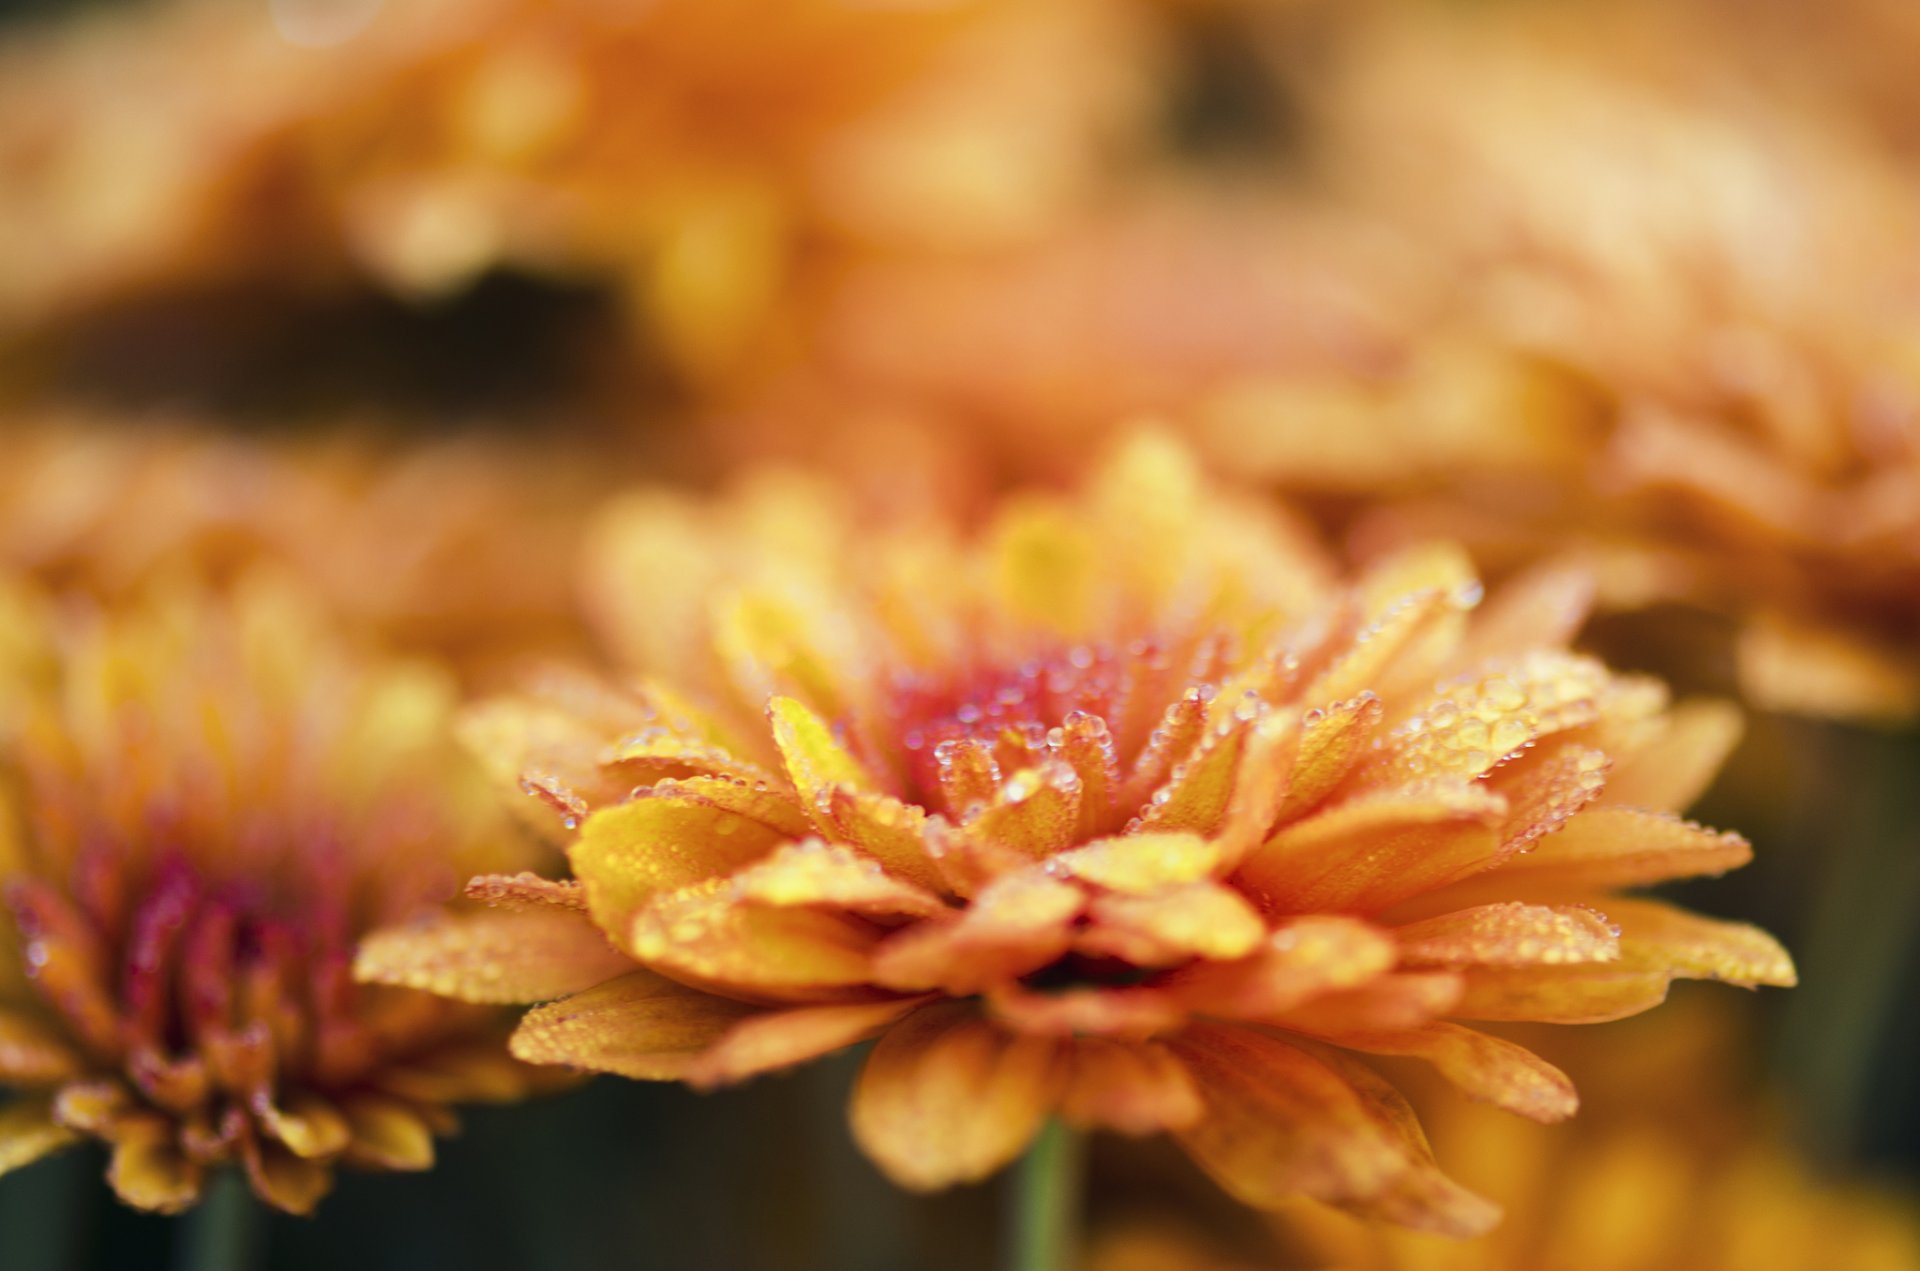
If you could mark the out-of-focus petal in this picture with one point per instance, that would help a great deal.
(1129, 1087)
(522, 956)
(1624, 847)
(1486, 1067)
(29, 1132)
(1302, 959)
(1676, 768)
(1657, 937)
(1020, 923)
(779, 1039)
(1560, 995)
(1510, 934)
(641, 1025)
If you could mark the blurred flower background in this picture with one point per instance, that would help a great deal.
(363, 361)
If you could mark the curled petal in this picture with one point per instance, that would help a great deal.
(641, 1025)
(1190, 920)
(1510, 934)
(1487, 1068)
(816, 873)
(1658, 937)
(1624, 847)
(29, 1132)
(1130, 1087)
(508, 955)
(779, 1039)
(1675, 768)
(1018, 924)
(946, 1097)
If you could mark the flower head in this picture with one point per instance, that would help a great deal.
(1123, 810)
(203, 805)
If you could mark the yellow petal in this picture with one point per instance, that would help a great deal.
(32, 1052)
(288, 1182)
(1559, 995)
(891, 832)
(1484, 1067)
(1676, 767)
(1130, 1087)
(463, 1072)
(1471, 726)
(708, 934)
(1546, 788)
(1404, 643)
(388, 1133)
(1044, 565)
(527, 890)
(1623, 847)
(629, 853)
(816, 873)
(1510, 934)
(1034, 813)
(947, 1098)
(1332, 739)
(508, 955)
(1017, 924)
(779, 1039)
(1657, 937)
(1200, 788)
(149, 1171)
(1173, 924)
(1301, 959)
(29, 1132)
(1368, 853)
(816, 763)
(1137, 864)
(641, 1025)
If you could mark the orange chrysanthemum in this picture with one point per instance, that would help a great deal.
(201, 810)
(1125, 812)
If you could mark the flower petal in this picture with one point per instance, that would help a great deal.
(1034, 813)
(388, 1133)
(707, 934)
(1137, 1011)
(779, 1039)
(1130, 1087)
(149, 1171)
(1543, 608)
(306, 1124)
(948, 1098)
(641, 1025)
(1364, 855)
(892, 832)
(1559, 995)
(1189, 920)
(1675, 768)
(817, 873)
(29, 1132)
(526, 890)
(1332, 740)
(1660, 937)
(290, 1183)
(32, 1052)
(1138, 864)
(1402, 999)
(1487, 1068)
(1510, 934)
(816, 763)
(1019, 923)
(1301, 959)
(1623, 847)
(629, 853)
(508, 955)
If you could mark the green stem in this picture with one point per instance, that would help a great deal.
(224, 1233)
(1046, 1202)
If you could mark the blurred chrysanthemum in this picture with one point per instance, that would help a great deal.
(1688, 294)
(1125, 811)
(684, 156)
(205, 805)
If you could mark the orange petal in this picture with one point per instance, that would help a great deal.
(388, 1133)
(1544, 789)
(1510, 934)
(1173, 739)
(507, 955)
(1131, 1087)
(149, 1171)
(947, 1098)
(1086, 746)
(1623, 847)
(1301, 959)
(1657, 937)
(1559, 995)
(1787, 664)
(641, 1025)
(527, 890)
(1173, 924)
(29, 1132)
(707, 934)
(306, 1124)
(1364, 855)
(1403, 644)
(1332, 740)
(1139, 1011)
(1200, 788)
(1034, 813)
(1543, 608)
(1280, 1123)
(1676, 767)
(779, 1039)
(1472, 725)
(631, 852)
(1019, 923)
(32, 1052)
(1403, 999)
(463, 1072)
(1487, 1068)
(817, 873)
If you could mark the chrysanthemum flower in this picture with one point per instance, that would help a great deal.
(1674, 274)
(202, 807)
(683, 156)
(1125, 812)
